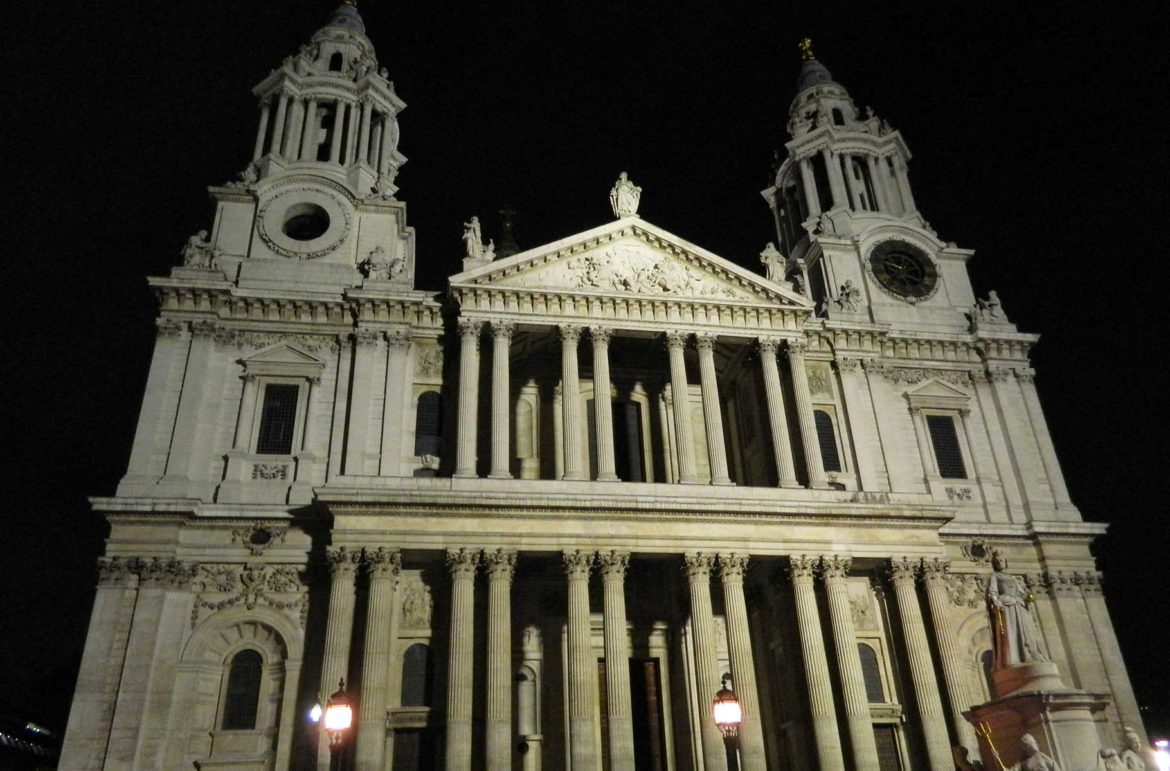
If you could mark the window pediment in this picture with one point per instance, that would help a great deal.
(282, 360)
(935, 394)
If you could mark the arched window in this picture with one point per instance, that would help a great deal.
(242, 697)
(838, 117)
(335, 62)
(827, 437)
(986, 660)
(872, 673)
(428, 424)
(416, 676)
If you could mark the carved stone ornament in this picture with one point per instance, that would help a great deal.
(159, 572)
(259, 536)
(500, 564)
(342, 560)
(820, 379)
(270, 472)
(379, 266)
(977, 550)
(221, 586)
(256, 341)
(115, 570)
(698, 564)
(503, 330)
(271, 215)
(802, 569)
(383, 562)
(861, 608)
(577, 564)
(613, 564)
(959, 494)
(624, 197)
(197, 252)
(462, 562)
(169, 327)
(835, 568)
(639, 269)
(416, 604)
(903, 570)
(732, 567)
(965, 590)
(429, 362)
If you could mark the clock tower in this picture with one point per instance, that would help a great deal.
(847, 221)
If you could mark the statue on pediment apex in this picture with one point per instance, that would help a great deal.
(774, 263)
(473, 239)
(625, 197)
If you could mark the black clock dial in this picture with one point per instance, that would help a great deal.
(903, 269)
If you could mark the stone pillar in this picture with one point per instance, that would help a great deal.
(777, 417)
(501, 566)
(676, 343)
(571, 403)
(364, 139)
(277, 148)
(261, 131)
(460, 685)
(617, 656)
(310, 134)
(465, 451)
(383, 565)
(502, 338)
(851, 185)
(879, 188)
(871, 467)
(816, 665)
(582, 664)
(182, 465)
(1087, 669)
(338, 632)
(849, 664)
(903, 181)
(836, 179)
(743, 668)
(339, 108)
(698, 569)
(712, 413)
(804, 412)
(1123, 696)
(367, 344)
(809, 183)
(603, 404)
(935, 578)
(1043, 438)
(398, 375)
(934, 724)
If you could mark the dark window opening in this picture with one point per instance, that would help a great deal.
(888, 757)
(838, 117)
(627, 441)
(871, 672)
(305, 221)
(821, 178)
(830, 457)
(414, 750)
(278, 418)
(986, 661)
(335, 62)
(946, 446)
(416, 676)
(243, 691)
(428, 422)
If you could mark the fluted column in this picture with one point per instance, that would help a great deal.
(468, 396)
(603, 404)
(804, 412)
(676, 343)
(460, 685)
(809, 183)
(777, 416)
(502, 339)
(384, 565)
(876, 181)
(364, 139)
(836, 178)
(501, 566)
(339, 108)
(617, 657)
(582, 665)
(935, 580)
(571, 403)
(852, 186)
(338, 631)
(934, 724)
(258, 150)
(276, 147)
(816, 665)
(310, 136)
(713, 416)
(698, 569)
(743, 668)
(849, 664)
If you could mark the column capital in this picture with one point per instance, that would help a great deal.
(732, 566)
(848, 364)
(577, 563)
(705, 341)
(398, 338)
(570, 333)
(503, 329)
(768, 345)
(115, 570)
(383, 562)
(698, 564)
(169, 327)
(470, 328)
(935, 570)
(500, 563)
(366, 336)
(462, 562)
(203, 328)
(342, 560)
(833, 569)
(796, 348)
(676, 338)
(802, 569)
(903, 570)
(613, 564)
(600, 335)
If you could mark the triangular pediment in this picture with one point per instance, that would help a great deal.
(282, 360)
(937, 388)
(630, 257)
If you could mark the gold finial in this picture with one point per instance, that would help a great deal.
(806, 49)
(351, 3)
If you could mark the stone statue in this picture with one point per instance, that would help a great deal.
(1032, 759)
(198, 252)
(1015, 637)
(989, 309)
(473, 238)
(489, 251)
(1107, 760)
(848, 297)
(774, 263)
(1135, 756)
(380, 266)
(963, 760)
(624, 197)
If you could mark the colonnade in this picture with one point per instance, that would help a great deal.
(833, 742)
(570, 335)
(844, 190)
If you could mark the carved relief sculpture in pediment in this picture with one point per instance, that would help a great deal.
(633, 268)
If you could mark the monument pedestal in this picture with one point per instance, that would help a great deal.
(1062, 721)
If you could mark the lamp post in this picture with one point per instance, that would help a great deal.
(1162, 754)
(728, 715)
(338, 721)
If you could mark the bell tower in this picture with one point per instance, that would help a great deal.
(847, 220)
(316, 207)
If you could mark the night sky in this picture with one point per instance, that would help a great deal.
(1036, 137)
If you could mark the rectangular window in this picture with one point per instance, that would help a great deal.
(945, 440)
(278, 418)
(886, 738)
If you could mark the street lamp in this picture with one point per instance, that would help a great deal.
(338, 720)
(1162, 754)
(728, 715)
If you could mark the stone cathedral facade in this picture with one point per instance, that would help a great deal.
(534, 519)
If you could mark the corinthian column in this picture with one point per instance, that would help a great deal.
(617, 655)
(501, 565)
(816, 665)
(460, 689)
(777, 417)
(371, 739)
(571, 402)
(934, 724)
(698, 569)
(935, 577)
(743, 668)
(603, 406)
(676, 343)
(804, 411)
(338, 631)
(468, 396)
(582, 665)
(865, 757)
(713, 422)
(502, 336)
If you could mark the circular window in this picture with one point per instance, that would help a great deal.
(260, 537)
(305, 221)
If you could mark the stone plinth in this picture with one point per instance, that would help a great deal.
(1063, 722)
(1034, 676)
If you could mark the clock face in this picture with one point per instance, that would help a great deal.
(903, 270)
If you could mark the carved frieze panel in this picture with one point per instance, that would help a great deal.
(416, 603)
(259, 536)
(820, 379)
(429, 362)
(220, 586)
(965, 590)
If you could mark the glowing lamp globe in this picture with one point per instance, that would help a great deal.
(727, 711)
(338, 714)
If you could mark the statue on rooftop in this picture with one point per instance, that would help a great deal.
(198, 252)
(774, 263)
(624, 197)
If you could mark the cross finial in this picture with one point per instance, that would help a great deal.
(806, 49)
